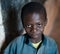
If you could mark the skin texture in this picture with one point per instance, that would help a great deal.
(34, 25)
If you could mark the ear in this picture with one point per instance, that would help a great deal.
(45, 23)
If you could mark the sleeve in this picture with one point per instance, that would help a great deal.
(10, 49)
(54, 45)
(56, 52)
(15, 46)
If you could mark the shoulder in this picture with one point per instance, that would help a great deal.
(51, 45)
(50, 42)
(17, 39)
(13, 44)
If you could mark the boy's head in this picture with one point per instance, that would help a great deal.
(34, 18)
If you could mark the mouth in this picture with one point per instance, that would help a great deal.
(37, 33)
(34, 34)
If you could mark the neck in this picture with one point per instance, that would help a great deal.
(36, 40)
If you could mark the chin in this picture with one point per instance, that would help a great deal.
(35, 37)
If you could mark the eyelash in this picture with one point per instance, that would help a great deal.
(29, 26)
(38, 25)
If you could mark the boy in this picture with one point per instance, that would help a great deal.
(34, 19)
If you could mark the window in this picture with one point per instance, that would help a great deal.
(2, 33)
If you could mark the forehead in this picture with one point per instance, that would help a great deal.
(34, 17)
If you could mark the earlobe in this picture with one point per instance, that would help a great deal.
(45, 23)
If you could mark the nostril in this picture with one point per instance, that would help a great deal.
(34, 30)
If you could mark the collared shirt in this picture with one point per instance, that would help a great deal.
(22, 45)
(36, 44)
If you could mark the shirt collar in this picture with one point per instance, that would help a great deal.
(26, 40)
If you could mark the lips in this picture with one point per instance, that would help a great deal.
(34, 34)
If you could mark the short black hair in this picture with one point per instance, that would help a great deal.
(33, 7)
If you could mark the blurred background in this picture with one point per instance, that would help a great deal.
(10, 22)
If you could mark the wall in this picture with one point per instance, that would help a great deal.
(53, 26)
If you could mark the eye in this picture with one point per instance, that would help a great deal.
(39, 25)
(29, 26)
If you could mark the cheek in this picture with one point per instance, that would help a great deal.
(27, 30)
(41, 29)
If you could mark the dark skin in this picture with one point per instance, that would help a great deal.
(34, 25)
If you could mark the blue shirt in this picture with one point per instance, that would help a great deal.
(22, 45)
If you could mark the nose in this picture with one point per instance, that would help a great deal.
(34, 29)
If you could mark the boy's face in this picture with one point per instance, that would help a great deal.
(34, 24)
